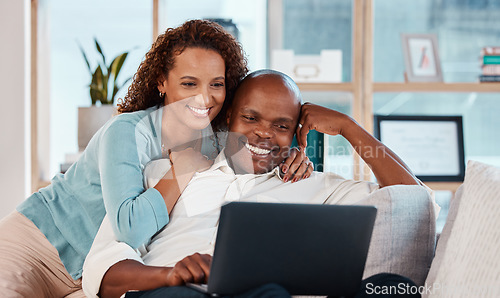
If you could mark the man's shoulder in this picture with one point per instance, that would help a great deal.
(326, 175)
(331, 180)
(319, 180)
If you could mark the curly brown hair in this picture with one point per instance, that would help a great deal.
(143, 92)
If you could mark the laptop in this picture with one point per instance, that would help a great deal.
(308, 249)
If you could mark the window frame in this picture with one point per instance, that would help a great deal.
(362, 85)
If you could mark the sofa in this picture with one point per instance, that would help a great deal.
(466, 260)
(404, 235)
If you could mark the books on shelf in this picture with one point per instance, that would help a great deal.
(490, 64)
(490, 51)
(491, 70)
(489, 78)
(491, 60)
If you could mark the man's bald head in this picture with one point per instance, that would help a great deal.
(270, 75)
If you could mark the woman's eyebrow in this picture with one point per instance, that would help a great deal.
(195, 78)
(189, 78)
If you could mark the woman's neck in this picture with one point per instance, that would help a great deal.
(176, 135)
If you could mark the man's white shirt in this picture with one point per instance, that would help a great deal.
(193, 221)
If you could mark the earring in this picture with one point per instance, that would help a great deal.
(161, 94)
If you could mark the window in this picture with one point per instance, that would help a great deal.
(372, 79)
(308, 27)
(249, 17)
(463, 28)
(311, 26)
(63, 79)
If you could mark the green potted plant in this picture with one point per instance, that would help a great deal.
(103, 88)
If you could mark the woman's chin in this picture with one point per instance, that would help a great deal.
(195, 121)
(198, 125)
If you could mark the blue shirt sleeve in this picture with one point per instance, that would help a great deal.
(135, 214)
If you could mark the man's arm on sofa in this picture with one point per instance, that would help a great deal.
(104, 253)
(387, 167)
(130, 275)
(113, 268)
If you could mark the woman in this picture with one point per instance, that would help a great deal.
(190, 70)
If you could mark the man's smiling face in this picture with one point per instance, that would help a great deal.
(262, 123)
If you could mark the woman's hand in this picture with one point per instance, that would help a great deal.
(185, 163)
(297, 166)
(194, 269)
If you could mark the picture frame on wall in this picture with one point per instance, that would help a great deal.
(431, 146)
(421, 58)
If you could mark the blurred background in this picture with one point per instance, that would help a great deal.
(45, 78)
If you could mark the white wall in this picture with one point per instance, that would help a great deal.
(14, 103)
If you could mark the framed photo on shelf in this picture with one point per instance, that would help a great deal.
(431, 146)
(421, 57)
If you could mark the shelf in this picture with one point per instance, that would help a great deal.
(436, 87)
(405, 87)
(451, 186)
(338, 87)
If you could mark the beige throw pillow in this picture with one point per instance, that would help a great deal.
(467, 261)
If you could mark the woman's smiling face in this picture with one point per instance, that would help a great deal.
(195, 87)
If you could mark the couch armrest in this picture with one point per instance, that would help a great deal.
(404, 236)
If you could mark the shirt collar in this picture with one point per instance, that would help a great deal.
(220, 163)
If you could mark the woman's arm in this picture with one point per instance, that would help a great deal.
(135, 213)
(184, 164)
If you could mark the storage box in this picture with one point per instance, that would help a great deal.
(324, 68)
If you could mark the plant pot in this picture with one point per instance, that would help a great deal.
(90, 119)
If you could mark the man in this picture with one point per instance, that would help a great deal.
(262, 122)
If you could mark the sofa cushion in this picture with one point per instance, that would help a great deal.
(466, 262)
(403, 238)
